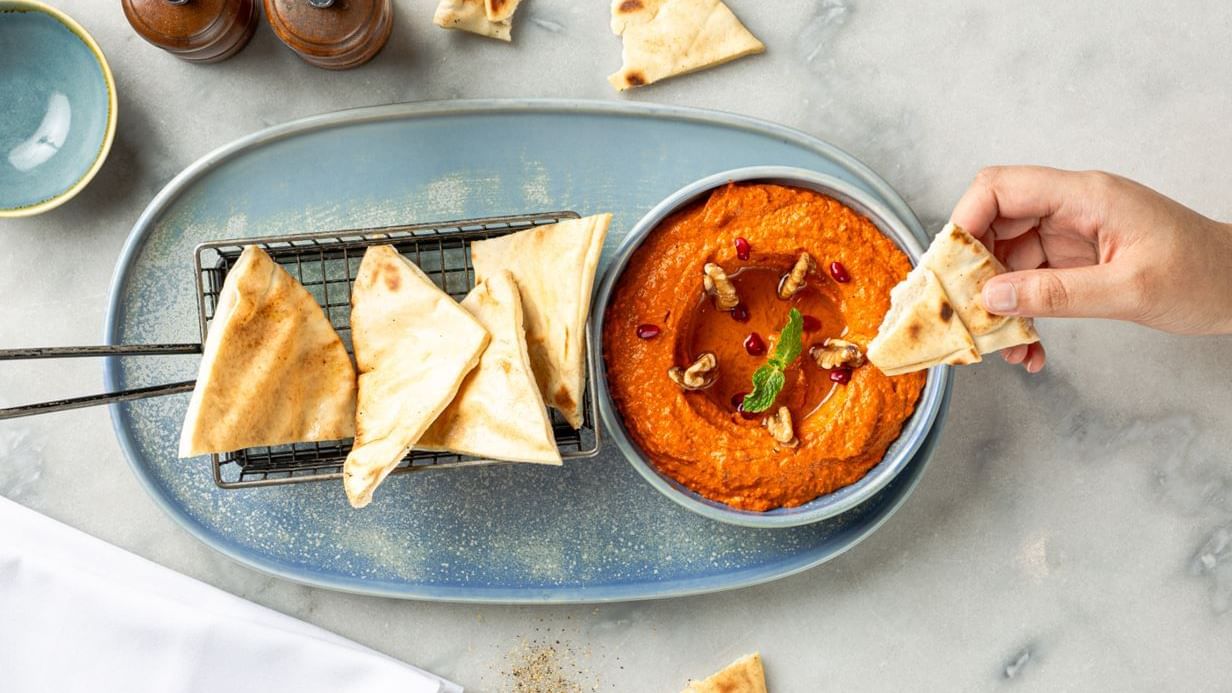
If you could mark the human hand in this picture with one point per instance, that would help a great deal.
(1095, 245)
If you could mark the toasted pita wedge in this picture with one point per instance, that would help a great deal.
(963, 264)
(499, 413)
(554, 267)
(500, 10)
(413, 345)
(921, 329)
(666, 38)
(745, 675)
(473, 16)
(273, 371)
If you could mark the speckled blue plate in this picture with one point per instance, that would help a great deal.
(592, 531)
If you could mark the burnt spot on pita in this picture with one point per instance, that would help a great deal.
(635, 79)
(630, 6)
(390, 275)
(562, 398)
(913, 330)
(947, 311)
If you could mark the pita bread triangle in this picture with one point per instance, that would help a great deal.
(745, 675)
(921, 329)
(476, 17)
(666, 38)
(413, 345)
(498, 413)
(962, 265)
(274, 370)
(554, 266)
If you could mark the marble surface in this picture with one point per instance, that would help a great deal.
(1075, 529)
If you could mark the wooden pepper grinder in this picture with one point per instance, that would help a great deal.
(333, 34)
(199, 31)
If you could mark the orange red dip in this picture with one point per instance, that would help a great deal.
(700, 438)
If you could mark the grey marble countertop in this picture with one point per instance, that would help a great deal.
(1075, 529)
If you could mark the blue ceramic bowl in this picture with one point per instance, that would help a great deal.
(59, 108)
(915, 429)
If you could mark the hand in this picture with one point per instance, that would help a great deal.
(1095, 245)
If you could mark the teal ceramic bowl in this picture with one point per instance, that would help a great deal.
(59, 108)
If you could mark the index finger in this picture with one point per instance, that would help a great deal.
(1011, 192)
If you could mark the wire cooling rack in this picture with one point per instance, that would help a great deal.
(326, 264)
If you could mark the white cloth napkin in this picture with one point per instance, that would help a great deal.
(77, 614)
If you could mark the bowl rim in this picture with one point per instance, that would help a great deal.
(905, 446)
(112, 108)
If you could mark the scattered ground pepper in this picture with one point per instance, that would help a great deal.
(545, 667)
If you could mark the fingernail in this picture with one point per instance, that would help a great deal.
(1000, 297)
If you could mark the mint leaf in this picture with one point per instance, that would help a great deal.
(790, 343)
(768, 381)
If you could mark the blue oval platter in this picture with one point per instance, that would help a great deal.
(593, 531)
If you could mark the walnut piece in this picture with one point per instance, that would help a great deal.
(780, 428)
(717, 284)
(700, 375)
(794, 281)
(837, 352)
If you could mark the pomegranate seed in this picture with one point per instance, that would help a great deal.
(737, 401)
(842, 376)
(811, 324)
(754, 344)
(839, 272)
(740, 313)
(743, 248)
(648, 331)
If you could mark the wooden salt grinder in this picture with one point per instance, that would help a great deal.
(333, 34)
(199, 31)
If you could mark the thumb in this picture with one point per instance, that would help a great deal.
(1080, 292)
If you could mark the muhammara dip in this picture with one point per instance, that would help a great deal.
(699, 309)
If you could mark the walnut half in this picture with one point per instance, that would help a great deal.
(794, 281)
(837, 352)
(701, 374)
(719, 285)
(779, 425)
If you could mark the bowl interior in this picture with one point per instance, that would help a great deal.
(58, 108)
(915, 428)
